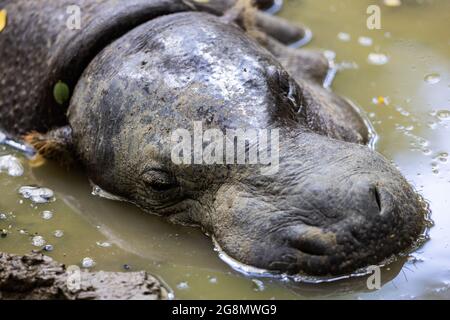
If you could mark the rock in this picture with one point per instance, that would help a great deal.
(38, 277)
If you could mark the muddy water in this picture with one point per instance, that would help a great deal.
(398, 75)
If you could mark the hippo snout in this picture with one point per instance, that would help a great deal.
(332, 216)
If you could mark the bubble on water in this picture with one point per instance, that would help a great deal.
(23, 231)
(434, 168)
(38, 241)
(37, 194)
(103, 244)
(330, 55)
(11, 165)
(443, 114)
(442, 157)
(97, 191)
(432, 78)
(365, 41)
(213, 280)
(343, 36)
(48, 247)
(88, 262)
(58, 233)
(46, 215)
(183, 285)
(377, 58)
(3, 216)
(258, 285)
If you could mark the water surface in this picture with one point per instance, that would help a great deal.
(398, 75)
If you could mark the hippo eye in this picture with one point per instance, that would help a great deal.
(159, 181)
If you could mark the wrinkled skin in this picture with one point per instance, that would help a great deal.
(334, 205)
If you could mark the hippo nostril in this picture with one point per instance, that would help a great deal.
(377, 197)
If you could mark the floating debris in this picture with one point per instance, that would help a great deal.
(58, 233)
(37, 194)
(432, 78)
(11, 165)
(380, 100)
(88, 262)
(343, 36)
(377, 58)
(126, 267)
(38, 241)
(3, 216)
(365, 41)
(46, 215)
(392, 3)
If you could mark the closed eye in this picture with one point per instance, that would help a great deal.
(159, 181)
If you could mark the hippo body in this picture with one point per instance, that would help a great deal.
(141, 69)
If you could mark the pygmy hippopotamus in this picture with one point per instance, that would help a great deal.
(139, 70)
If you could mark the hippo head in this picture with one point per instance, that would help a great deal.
(329, 206)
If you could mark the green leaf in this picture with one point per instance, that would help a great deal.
(61, 92)
(3, 15)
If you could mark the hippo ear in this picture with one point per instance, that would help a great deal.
(54, 145)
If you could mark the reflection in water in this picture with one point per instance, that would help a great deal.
(405, 93)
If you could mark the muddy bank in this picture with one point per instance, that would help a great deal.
(36, 276)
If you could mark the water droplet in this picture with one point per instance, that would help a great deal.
(365, 41)
(37, 194)
(11, 165)
(88, 262)
(103, 244)
(443, 114)
(38, 241)
(343, 36)
(183, 286)
(442, 157)
(46, 215)
(377, 58)
(432, 78)
(213, 280)
(58, 233)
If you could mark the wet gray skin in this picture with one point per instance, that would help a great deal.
(334, 205)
